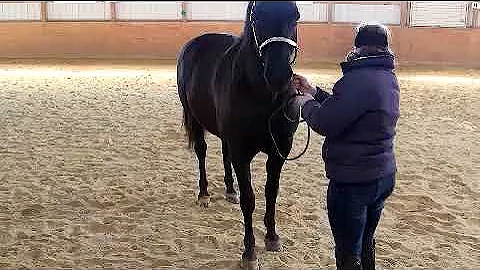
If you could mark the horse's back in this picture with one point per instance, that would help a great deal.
(200, 55)
(210, 44)
(196, 67)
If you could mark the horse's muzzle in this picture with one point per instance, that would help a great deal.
(277, 79)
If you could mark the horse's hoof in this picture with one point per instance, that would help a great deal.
(273, 244)
(247, 264)
(203, 201)
(232, 198)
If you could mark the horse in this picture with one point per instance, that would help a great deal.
(231, 86)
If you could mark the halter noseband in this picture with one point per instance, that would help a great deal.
(269, 40)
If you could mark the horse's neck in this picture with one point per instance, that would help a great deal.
(251, 73)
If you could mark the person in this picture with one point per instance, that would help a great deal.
(358, 121)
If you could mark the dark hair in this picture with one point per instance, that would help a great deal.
(376, 35)
(370, 40)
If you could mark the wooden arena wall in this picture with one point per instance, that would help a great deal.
(325, 35)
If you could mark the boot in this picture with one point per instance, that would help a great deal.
(368, 256)
(348, 262)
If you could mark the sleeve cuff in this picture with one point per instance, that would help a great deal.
(321, 95)
(307, 108)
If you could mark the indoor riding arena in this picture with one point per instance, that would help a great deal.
(95, 171)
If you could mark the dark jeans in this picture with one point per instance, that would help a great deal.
(353, 212)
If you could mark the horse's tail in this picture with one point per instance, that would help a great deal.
(188, 124)
(183, 77)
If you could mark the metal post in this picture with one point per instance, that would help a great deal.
(43, 12)
(113, 11)
(330, 11)
(184, 11)
(404, 14)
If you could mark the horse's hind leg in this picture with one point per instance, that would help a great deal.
(200, 146)
(230, 193)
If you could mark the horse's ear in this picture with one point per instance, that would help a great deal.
(249, 10)
(247, 16)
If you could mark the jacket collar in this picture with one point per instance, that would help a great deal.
(378, 61)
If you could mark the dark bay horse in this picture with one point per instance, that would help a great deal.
(230, 86)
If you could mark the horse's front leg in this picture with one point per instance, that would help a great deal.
(241, 166)
(284, 141)
(274, 167)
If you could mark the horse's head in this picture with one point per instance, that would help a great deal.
(272, 29)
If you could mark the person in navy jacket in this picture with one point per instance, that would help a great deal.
(359, 124)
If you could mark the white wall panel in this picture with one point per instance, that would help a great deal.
(307, 11)
(312, 12)
(356, 13)
(167, 10)
(476, 15)
(236, 11)
(20, 11)
(78, 11)
(222, 10)
(438, 13)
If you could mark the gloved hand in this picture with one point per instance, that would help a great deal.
(301, 84)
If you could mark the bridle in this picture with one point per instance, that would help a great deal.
(262, 45)
(285, 105)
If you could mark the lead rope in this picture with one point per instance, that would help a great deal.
(269, 124)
